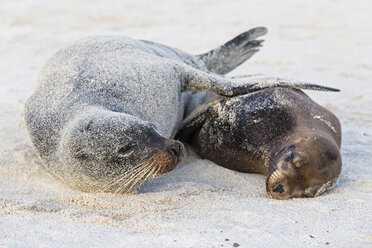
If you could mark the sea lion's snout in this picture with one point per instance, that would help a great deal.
(169, 155)
(277, 185)
(176, 149)
(175, 152)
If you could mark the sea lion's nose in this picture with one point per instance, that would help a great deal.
(176, 149)
(279, 189)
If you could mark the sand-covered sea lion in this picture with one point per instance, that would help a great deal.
(279, 132)
(106, 108)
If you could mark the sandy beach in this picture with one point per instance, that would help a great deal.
(199, 204)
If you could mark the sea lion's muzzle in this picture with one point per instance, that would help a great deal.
(277, 185)
(177, 150)
(169, 155)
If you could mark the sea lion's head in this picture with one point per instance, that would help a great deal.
(306, 168)
(115, 152)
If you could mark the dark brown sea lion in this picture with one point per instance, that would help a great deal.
(279, 132)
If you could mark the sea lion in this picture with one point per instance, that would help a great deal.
(279, 132)
(106, 108)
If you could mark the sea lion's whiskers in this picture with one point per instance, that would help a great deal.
(144, 165)
(125, 175)
(131, 178)
(146, 176)
(135, 170)
(140, 176)
(135, 178)
(111, 183)
(153, 173)
(135, 174)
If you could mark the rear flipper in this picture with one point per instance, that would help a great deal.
(258, 82)
(196, 80)
(233, 53)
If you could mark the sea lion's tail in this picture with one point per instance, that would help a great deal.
(234, 52)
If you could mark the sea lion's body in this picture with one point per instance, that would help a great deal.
(263, 132)
(105, 73)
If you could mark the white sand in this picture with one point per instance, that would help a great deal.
(198, 204)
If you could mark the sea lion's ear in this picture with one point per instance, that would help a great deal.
(195, 120)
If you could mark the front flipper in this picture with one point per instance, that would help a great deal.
(195, 120)
(196, 80)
